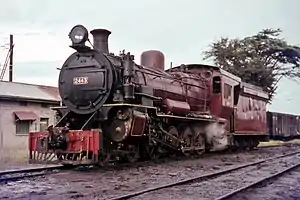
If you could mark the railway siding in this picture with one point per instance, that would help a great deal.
(214, 188)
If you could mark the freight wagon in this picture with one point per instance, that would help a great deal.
(283, 126)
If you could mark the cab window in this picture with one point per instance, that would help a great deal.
(217, 84)
(227, 91)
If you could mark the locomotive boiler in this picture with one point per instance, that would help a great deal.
(116, 109)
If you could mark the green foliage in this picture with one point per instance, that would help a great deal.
(262, 59)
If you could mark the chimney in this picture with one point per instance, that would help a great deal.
(100, 37)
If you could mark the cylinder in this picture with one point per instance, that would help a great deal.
(153, 59)
(100, 40)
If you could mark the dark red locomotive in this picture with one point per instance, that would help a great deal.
(116, 109)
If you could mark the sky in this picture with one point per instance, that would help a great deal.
(182, 30)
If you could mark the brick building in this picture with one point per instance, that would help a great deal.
(24, 108)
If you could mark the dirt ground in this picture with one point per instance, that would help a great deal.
(104, 184)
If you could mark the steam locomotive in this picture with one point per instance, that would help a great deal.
(116, 109)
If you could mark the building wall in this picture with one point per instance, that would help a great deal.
(13, 145)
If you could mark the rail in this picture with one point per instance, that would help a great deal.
(13, 175)
(228, 195)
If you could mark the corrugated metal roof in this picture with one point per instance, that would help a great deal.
(28, 91)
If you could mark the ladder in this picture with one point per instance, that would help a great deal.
(6, 63)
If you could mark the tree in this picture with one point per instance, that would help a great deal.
(261, 59)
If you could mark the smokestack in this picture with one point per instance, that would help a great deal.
(100, 37)
(11, 45)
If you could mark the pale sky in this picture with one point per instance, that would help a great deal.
(180, 29)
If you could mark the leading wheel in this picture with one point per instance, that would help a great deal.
(133, 153)
(104, 159)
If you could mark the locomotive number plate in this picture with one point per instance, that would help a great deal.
(80, 80)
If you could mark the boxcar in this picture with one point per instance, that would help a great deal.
(283, 126)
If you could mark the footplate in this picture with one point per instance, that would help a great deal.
(82, 148)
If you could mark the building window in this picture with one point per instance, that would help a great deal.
(227, 91)
(44, 123)
(22, 127)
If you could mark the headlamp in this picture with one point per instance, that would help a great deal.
(78, 34)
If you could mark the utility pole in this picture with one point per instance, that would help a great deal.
(11, 45)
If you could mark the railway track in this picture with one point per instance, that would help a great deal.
(14, 175)
(229, 181)
(254, 184)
